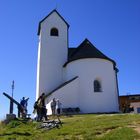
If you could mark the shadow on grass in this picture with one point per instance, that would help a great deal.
(104, 131)
(16, 133)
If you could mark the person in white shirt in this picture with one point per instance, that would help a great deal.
(53, 106)
(58, 107)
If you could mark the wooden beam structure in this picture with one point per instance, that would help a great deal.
(19, 106)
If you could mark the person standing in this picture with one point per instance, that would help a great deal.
(58, 107)
(41, 108)
(53, 106)
(24, 104)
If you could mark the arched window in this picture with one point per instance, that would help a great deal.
(97, 86)
(54, 32)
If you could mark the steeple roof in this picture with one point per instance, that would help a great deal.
(39, 27)
(86, 50)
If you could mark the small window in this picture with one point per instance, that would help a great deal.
(97, 86)
(54, 32)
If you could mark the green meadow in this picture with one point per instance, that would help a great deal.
(77, 127)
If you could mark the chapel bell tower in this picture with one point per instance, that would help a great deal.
(52, 52)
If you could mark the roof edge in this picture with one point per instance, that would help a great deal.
(62, 85)
(129, 95)
(39, 26)
(114, 63)
(78, 48)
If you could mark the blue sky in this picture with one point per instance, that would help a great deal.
(113, 26)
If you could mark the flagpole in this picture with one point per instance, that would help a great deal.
(13, 86)
(11, 103)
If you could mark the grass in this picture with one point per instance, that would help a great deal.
(77, 127)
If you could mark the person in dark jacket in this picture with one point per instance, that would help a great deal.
(24, 103)
(41, 108)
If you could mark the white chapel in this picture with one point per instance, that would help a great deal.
(81, 77)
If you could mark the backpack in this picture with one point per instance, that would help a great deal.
(35, 105)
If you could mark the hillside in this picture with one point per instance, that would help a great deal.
(77, 127)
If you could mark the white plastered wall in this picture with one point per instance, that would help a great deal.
(135, 105)
(88, 70)
(52, 54)
(67, 95)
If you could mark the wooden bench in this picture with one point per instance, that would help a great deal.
(70, 110)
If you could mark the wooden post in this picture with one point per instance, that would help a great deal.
(11, 107)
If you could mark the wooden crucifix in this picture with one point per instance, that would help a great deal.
(19, 106)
